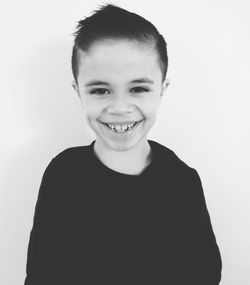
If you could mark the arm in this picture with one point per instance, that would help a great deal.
(206, 260)
(43, 255)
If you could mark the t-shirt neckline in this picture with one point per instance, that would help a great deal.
(109, 171)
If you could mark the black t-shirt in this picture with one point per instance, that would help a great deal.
(94, 225)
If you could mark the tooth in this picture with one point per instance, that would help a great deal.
(111, 126)
(121, 128)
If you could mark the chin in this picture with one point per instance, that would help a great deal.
(125, 146)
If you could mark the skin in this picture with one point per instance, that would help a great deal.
(117, 63)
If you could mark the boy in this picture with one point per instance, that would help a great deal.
(124, 209)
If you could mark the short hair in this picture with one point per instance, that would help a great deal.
(113, 22)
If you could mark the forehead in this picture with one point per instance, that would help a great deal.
(119, 59)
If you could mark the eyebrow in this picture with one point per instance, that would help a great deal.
(139, 80)
(95, 82)
(143, 80)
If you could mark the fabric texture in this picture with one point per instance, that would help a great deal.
(93, 225)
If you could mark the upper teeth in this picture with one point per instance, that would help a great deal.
(119, 127)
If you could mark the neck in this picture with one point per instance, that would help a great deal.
(132, 161)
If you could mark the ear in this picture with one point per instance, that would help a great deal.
(165, 85)
(75, 87)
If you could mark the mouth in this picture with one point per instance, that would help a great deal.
(122, 128)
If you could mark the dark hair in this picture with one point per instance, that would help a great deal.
(112, 22)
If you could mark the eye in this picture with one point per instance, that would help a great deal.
(139, 89)
(99, 91)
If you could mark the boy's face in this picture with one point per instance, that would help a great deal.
(120, 84)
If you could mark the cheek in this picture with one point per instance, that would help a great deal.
(92, 114)
(150, 107)
(92, 108)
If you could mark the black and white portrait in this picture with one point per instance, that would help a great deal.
(125, 142)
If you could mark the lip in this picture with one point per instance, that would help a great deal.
(123, 134)
(122, 123)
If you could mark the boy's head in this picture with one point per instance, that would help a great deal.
(119, 63)
(112, 22)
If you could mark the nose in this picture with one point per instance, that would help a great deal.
(120, 105)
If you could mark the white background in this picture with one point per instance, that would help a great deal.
(204, 116)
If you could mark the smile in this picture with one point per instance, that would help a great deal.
(121, 128)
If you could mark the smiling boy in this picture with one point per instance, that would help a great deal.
(120, 86)
(124, 209)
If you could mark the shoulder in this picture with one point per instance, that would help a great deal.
(63, 171)
(179, 174)
(73, 154)
(71, 159)
(169, 162)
